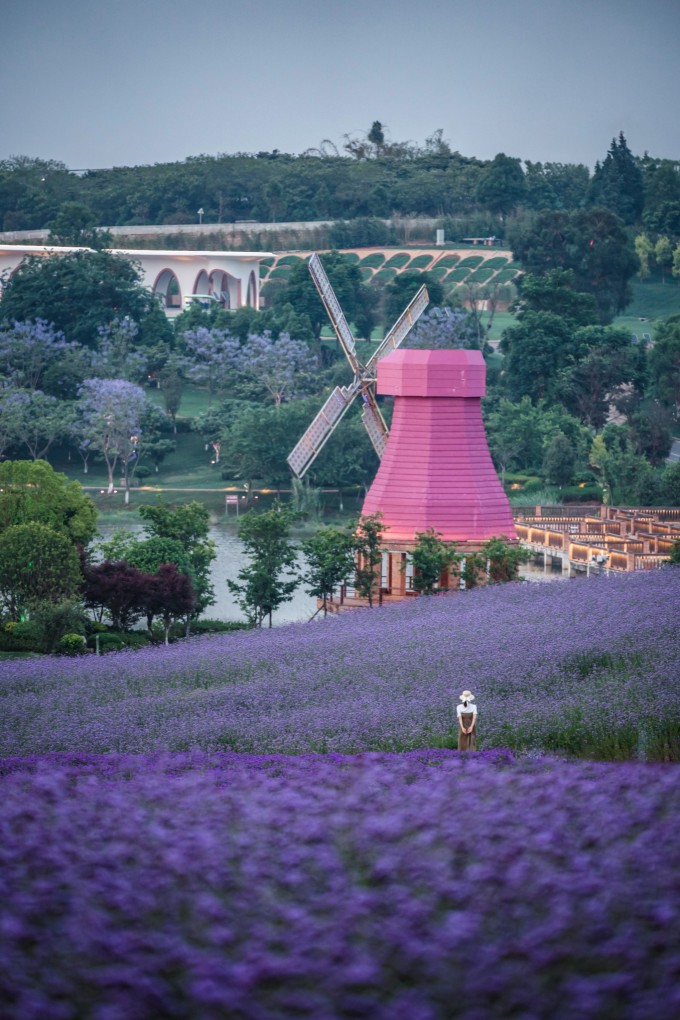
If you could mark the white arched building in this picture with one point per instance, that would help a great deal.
(231, 278)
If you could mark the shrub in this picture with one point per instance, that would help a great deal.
(53, 620)
(373, 261)
(448, 261)
(20, 636)
(397, 261)
(71, 644)
(420, 262)
(217, 626)
(576, 494)
(117, 640)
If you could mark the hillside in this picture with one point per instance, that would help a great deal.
(305, 688)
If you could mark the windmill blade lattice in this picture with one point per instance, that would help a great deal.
(323, 425)
(311, 443)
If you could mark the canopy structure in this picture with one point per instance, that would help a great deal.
(230, 278)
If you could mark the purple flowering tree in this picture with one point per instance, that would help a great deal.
(277, 364)
(443, 327)
(211, 357)
(28, 350)
(116, 357)
(110, 416)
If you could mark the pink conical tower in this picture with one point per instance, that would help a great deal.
(436, 471)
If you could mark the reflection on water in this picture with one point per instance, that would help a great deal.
(230, 558)
(535, 572)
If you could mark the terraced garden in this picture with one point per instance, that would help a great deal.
(381, 265)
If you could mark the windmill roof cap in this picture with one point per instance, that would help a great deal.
(432, 373)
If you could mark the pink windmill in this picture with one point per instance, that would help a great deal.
(435, 467)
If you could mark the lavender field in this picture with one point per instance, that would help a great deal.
(174, 845)
(589, 667)
(412, 886)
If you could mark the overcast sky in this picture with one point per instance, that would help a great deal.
(100, 83)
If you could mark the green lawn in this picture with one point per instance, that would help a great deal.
(652, 300)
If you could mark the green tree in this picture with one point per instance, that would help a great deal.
(80, 292)
(431, 557)
(520, 433)
(404, 287)
(32, 492)
(603, 365)
(559, 461)
(663, 255)
(504, 559)
(329, 555)
(593, 243)
(629, 478)
(37, 565)
(76, 225)
(44, 420)
(271, 577)
(651, 425)
(535, 350)
(556, 293)
(618, 184)
(664, 363)
(644, 249)
(670, 485)
(356, 301)
(171, 385)
(662, 197)
(502, 185)
(367, 543)
(189, 525)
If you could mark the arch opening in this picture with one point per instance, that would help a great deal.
(167, 286)
(251, 298)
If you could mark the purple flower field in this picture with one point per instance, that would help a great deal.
(171, 846)
(590, 667)
(413, 886)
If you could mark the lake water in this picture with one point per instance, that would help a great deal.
(231, 557)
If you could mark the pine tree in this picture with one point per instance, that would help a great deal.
(617, 183)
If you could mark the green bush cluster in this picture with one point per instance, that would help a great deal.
(22, 636)
(71, 644)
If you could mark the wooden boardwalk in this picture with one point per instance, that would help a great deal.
(605, 539)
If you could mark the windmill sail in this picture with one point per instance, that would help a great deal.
(374, 423)
(335, 312)
(401, 328)
(311, 443)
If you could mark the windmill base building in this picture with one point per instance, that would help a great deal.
(436, 471)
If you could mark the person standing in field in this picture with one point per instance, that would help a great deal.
(467, 722)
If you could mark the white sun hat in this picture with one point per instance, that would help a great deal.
(467, 696)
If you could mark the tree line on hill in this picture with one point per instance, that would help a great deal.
(368, 179)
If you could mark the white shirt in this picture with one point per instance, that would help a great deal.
(466, 709)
